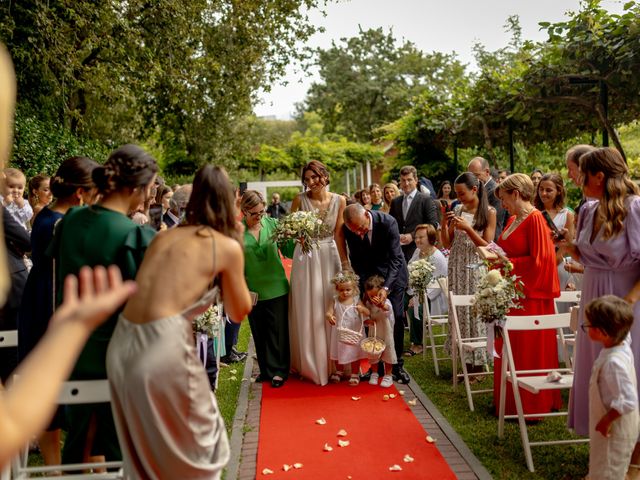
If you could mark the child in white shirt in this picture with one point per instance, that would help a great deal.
(614, 423)
(382, 316)
(13, 197)
(346, 313)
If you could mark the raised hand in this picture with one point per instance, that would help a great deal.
(92, 297)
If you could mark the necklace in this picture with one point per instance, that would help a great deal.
(516, 222)
(521, 218)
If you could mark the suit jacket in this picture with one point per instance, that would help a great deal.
(422, 210)
(382, 256)
(17, 242)
(501, 214)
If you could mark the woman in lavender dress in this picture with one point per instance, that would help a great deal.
(608, 245)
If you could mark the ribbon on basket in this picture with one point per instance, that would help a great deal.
(201, 344)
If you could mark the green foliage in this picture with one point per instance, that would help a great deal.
(40, 146)
(184, 73)
(369, 80)
(545, 93)
(630, 137)
(335, 151)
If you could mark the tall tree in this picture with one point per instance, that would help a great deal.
(184, 72)
(369, 80)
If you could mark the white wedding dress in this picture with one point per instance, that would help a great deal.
(311, 294)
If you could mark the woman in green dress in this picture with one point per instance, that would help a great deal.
(102, 234)
(266, 278)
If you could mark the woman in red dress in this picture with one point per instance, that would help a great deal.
(528, 244)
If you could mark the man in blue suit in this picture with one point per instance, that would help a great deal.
(374, 249)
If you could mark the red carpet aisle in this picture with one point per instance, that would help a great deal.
(380, 434)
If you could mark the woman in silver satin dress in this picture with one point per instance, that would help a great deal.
(167, 418)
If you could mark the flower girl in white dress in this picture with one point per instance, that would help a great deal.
(345, 319)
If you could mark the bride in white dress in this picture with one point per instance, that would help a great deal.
(311, 288)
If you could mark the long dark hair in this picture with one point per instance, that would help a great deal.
(212, 202)
(452, 193)
(73, 173)
(127, 167)
(481, 218)
(558, 202)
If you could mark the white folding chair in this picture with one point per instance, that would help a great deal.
(534, 381)
(8, 338)
(568, 338)
(430, 321)
(73, 393)
(461, 345)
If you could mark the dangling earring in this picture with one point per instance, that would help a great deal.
(37, 198)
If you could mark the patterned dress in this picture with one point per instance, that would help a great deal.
(464, 274)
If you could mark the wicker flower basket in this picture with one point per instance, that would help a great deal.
(372, 346)
(348, 336)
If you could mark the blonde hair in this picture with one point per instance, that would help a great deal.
(517, 181)
(346, 276)
(251, 199)
(618, 186)
(15, 173)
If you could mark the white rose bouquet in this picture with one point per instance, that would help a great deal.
(305, 227)
(420, 275)
(496, 295)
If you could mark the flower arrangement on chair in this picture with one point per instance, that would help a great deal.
(497, 293)
(420, 276)
(208, 324)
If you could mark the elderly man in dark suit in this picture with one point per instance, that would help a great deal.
(411, 209)
(480, 168)
(374, 249)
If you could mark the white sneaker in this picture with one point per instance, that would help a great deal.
(373, 380)
(387, 381)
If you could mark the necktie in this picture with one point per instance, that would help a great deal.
(405, 206)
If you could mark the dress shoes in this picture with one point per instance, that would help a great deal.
(401, 376)
(277, 382)
(232, 358)
(364, 377)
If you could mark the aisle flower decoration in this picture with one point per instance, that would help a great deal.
(420, 275)
(305, 227)
(497, 293)
(205, 325)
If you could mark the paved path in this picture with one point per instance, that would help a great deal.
(246, 428)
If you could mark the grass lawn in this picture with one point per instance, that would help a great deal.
(230, 380)
(504, 458)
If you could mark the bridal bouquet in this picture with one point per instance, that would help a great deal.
(420, 275)
(305, 227)
(496, 295)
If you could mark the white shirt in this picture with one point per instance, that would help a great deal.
(370, 232)
(616, 388)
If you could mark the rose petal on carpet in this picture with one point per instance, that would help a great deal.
(380, 434)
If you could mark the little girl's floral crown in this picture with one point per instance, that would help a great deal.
(346, 276)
